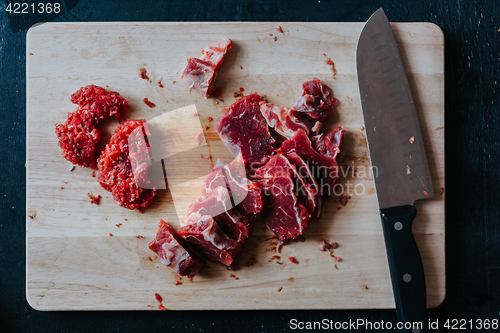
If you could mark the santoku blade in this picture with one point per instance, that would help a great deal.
(395, 142)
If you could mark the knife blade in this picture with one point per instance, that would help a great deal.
(397, 154)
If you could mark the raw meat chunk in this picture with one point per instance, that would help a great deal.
(279, 165)
(285, 214)
(173, 252)
(315, 101)
(329, 144)
(284, 120)
(217, 204)
(324, 168)
(115, 169)
(79, 136)
(246, 195)
(203, 233)
(200, 73)
(245, 133)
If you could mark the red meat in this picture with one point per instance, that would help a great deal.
(245, 133)
(284, 120)
(323, 167)
(115, 169)
(203, 233)
(200, 73)
(217, 204)
(329, 144)
(315, 101)
(79, 136)
(173, 252)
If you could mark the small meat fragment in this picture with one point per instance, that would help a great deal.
(95, 199)
(203, 233)
(284, 120)
(149, 103)
(293, 260)
(285, 215)
(161, 307)
(173, 253)
(217, 204)
(143, 74)
(123, 166)
(79, 136)
(329, 144)
(200, 73)
(245, 133)
(323, 167)
(324, 245)
(158, 298)
(315, 101)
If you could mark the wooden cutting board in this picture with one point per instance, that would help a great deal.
(74, 264)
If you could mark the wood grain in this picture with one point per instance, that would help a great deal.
(73, 263)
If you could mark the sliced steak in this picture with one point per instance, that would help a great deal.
(203, 233)
(173, 252)
(245, 133)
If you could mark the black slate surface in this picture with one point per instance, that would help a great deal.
(472, 134)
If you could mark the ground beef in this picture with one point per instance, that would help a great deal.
(115, 168)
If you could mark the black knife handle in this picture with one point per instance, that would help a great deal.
(405, 265)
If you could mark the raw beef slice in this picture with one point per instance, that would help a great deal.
(315, 101)
(200, 73)
(323, 167)
(217, 204)
(284, 120)
(329, 144)
(245, 133)
(203, 233)
(173, 252)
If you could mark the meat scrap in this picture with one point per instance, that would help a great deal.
(245, 133)
(284, 120)
(174, 254)
(79, 136)
(200, 74)
(315, 101)
(95, 199)
(205, 236)
(217, 204)
(116, 174)
(329, 144)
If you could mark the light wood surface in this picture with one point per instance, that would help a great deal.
(73, 263)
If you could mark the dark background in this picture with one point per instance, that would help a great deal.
(472, 137)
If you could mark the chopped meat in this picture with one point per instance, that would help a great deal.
(217, 204)
(324, 168)
(173, 252)
(324, 245)
(279, 165)
(284, 120)
(149, 103)
(285, 214)
(304, 170)
(329, 144)
(245, 133)
(200, 73)
(203, 233)
(317, 128)
(95, 199)
(315, 101)
(79, 136)
(143, 74)
(246, 195)
(115, 168)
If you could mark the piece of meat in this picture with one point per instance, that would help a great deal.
(200, 74)
(305, 171)
(245, 133)
(217, 204)
(285, 214)
(246, 195)
(315, 101)
(79, 136)
(115, 169)
(329, 144)
(284, 120)
(324, 168)
(203, 233)
(279, 165)
(174, 253)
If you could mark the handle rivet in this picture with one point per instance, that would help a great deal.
(407, 278)
(398, 226)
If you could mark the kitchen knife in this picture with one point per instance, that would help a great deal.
(398, 159)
